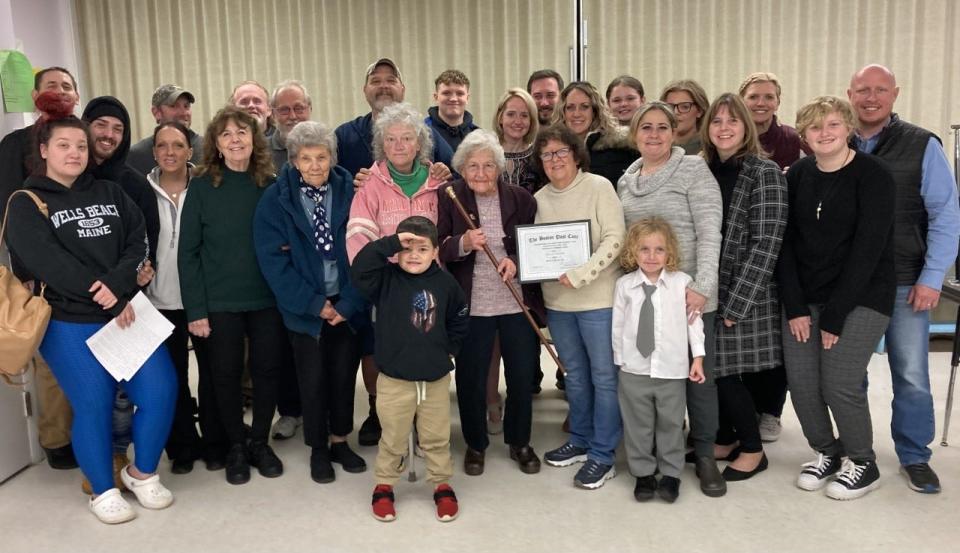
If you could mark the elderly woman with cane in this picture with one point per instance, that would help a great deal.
(498, 208)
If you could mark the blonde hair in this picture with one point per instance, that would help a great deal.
(696, 92)
(640, 230)
(603, 120)
(531, 110)
(814, 112)
(759, 77)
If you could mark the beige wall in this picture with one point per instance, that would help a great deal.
(131, 46)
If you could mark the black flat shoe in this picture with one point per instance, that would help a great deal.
(645, 488)
(237, 467)
(261, 455)
(321, 470)
(731, 474)
(341, 453)
(669, 489)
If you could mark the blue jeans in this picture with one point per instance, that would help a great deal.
(908, 345)
(584, 345)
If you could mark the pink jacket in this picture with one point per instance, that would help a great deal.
(380, 205)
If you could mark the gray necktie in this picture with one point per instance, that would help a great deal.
(645, 325)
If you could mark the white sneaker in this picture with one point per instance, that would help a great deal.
(150, 492)
(285, 427)
(770, 427)
(819, 473)
(111, 508)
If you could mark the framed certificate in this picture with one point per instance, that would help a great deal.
(548, 250)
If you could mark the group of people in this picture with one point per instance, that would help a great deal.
(732, 258)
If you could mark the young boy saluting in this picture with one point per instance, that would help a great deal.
(421, 319)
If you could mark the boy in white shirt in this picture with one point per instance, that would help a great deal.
(652, 336)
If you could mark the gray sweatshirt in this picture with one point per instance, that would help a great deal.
(684, 193)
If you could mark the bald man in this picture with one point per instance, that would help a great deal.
(926, 230)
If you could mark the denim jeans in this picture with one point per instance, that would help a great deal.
(908, 344)
(584, 345)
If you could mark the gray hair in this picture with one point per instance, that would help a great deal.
(479, 140)
(402, 113)
(307, 134)
(290, 83)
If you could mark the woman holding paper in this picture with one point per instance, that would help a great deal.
(86, 250)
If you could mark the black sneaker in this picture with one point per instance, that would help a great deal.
(817, 474)
(921, 478)
(565, 455)
(669, 489)
(321, 471)
(266, 461)
(645, 488)
(237, 467)
(341, 453)
(855, 479)
(593, 474)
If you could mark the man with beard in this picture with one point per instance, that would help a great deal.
(53, 423)
(252, 97)
(290, 104)
(545, 86)
(169, 103)
(383, 86)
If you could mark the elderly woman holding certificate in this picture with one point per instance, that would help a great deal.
(498, 208)
(580, 304)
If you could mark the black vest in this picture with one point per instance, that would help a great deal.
(901, 146)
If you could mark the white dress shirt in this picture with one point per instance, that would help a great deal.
(671, 334)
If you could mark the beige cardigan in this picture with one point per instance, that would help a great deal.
(589, 197)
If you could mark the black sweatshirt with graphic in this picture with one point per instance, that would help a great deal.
(421, 320)
(94, 232)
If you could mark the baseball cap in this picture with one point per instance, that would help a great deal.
(383, 61)
(167, 94)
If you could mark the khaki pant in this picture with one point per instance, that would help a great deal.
(397, 403)
(56, 416)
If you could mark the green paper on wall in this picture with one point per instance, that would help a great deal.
(16, 80)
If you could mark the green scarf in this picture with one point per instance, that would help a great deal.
(411, 182)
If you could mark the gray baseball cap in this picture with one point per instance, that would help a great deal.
(168, 94)
(383, 61)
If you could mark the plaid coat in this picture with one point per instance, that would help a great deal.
(756, 219)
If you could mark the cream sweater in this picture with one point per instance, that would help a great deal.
(590, 197)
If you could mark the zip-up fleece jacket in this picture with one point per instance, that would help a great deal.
(93, 232)
(380, 205)
(421, 319)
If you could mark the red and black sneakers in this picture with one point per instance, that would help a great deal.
(383, 499)
(446, 500)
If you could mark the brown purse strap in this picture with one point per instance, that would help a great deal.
(41, 205)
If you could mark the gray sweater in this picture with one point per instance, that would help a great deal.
(684, 193)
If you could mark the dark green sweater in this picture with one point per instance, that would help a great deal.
(217, 262)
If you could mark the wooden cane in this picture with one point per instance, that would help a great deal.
(507, 283)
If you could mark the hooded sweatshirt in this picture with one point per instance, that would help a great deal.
(453, 135)
(116, 169)
(93, 232)
(421, 319)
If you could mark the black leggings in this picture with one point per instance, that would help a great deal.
(738, 418)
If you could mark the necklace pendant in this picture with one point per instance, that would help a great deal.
(819, 204)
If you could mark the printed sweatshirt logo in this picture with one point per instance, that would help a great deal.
(424, 313)
(90, 219)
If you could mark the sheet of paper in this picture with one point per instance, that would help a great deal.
(16, 78)
(122, 351)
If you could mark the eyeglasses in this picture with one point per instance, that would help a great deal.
(682, 107)
(299, 109)
(562, 153)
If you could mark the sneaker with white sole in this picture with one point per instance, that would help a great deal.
(817, 474)
(770, 427)
(111, 508)
(921, 478)
(565, 455)
(855, 479)
(150, 492)
(593, 474)
(285, 427)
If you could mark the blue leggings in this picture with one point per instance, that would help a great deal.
(91, 391)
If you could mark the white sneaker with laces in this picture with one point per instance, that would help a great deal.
(111, 508)
(285, 427)
(770, 427)
(150, 492)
